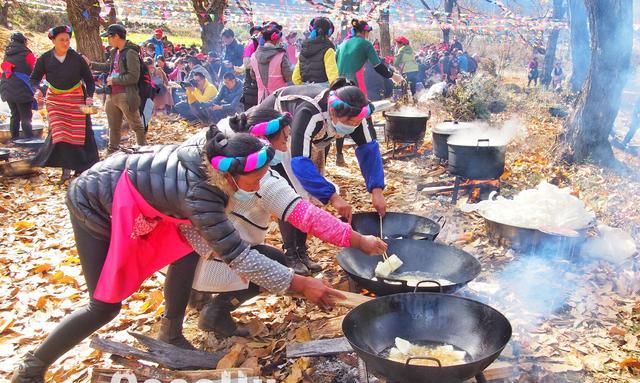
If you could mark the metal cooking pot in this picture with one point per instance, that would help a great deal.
(405, 127)
(397, 225)
(4, 154)
(434, 260)
(531, 240)
(441, 133)
(426, 318)
(480, 162)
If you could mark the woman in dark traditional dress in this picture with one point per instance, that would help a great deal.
(70, 144)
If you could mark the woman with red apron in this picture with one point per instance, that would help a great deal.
(133, 214)
(70, 144)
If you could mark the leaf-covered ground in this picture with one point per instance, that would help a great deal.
(590, 335)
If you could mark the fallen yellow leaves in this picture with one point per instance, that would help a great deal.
(61, 278)
(154, 300)
(233, 358)
(23, 225)
(297, 370)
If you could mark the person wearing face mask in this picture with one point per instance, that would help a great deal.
(135, 213)
(251, 215)
(320, 116)
(351, 56)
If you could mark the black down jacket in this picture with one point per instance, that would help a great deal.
(172, 179)
(13, 89)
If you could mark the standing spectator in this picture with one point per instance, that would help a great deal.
(124, 67)
(269, 64)
(250, 86)
(200, 94)
(70, 144)
(227, 101)
(317, 61)
(157, 41)
(557, 75)
(445, 67)
(532, 69)
(351, 56)
(233, 51)
(292, 52)
(405, 62)
(162, 100)
(457, 45)
(15, 87)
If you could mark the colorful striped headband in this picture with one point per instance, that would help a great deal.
(244, 164)
(334, 101)
(268, 128)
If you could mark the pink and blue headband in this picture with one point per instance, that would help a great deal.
(334, 101)
(242, 164)
(268, 128)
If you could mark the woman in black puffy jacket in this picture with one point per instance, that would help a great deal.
(133, 214)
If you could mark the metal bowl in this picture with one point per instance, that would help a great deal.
(533, 240)
(29, 142)
(5, 132)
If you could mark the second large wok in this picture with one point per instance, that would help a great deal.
(428, 258)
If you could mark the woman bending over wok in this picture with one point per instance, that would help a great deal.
(251, 214)
(133, 214)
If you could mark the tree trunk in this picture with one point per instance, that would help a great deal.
(84, 16)
(210, 14)
(588, 127)
(111, 16)
(552, 43)
(448, 8)
(385, 35)
(580, 50)
(5, 5)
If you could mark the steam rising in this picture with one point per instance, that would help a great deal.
(497, 136)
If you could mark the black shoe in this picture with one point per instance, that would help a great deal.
(293, 261)
(216, 317)
(31, 370)
(198, 299)
(171, 332)
(311, 265)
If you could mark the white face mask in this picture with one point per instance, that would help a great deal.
(277, 158)
(344, 129)
(242, 195)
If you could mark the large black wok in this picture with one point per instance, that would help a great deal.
(397, 225)
(429, 258)
(476, 328)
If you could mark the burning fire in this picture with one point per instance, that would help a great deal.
(367, 293)
(476, 187)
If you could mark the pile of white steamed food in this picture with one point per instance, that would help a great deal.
(446, 354)
(539, 208)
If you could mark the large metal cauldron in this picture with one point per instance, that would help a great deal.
(402, 127)
(476, 328)
(441, 133)
(479, 162)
